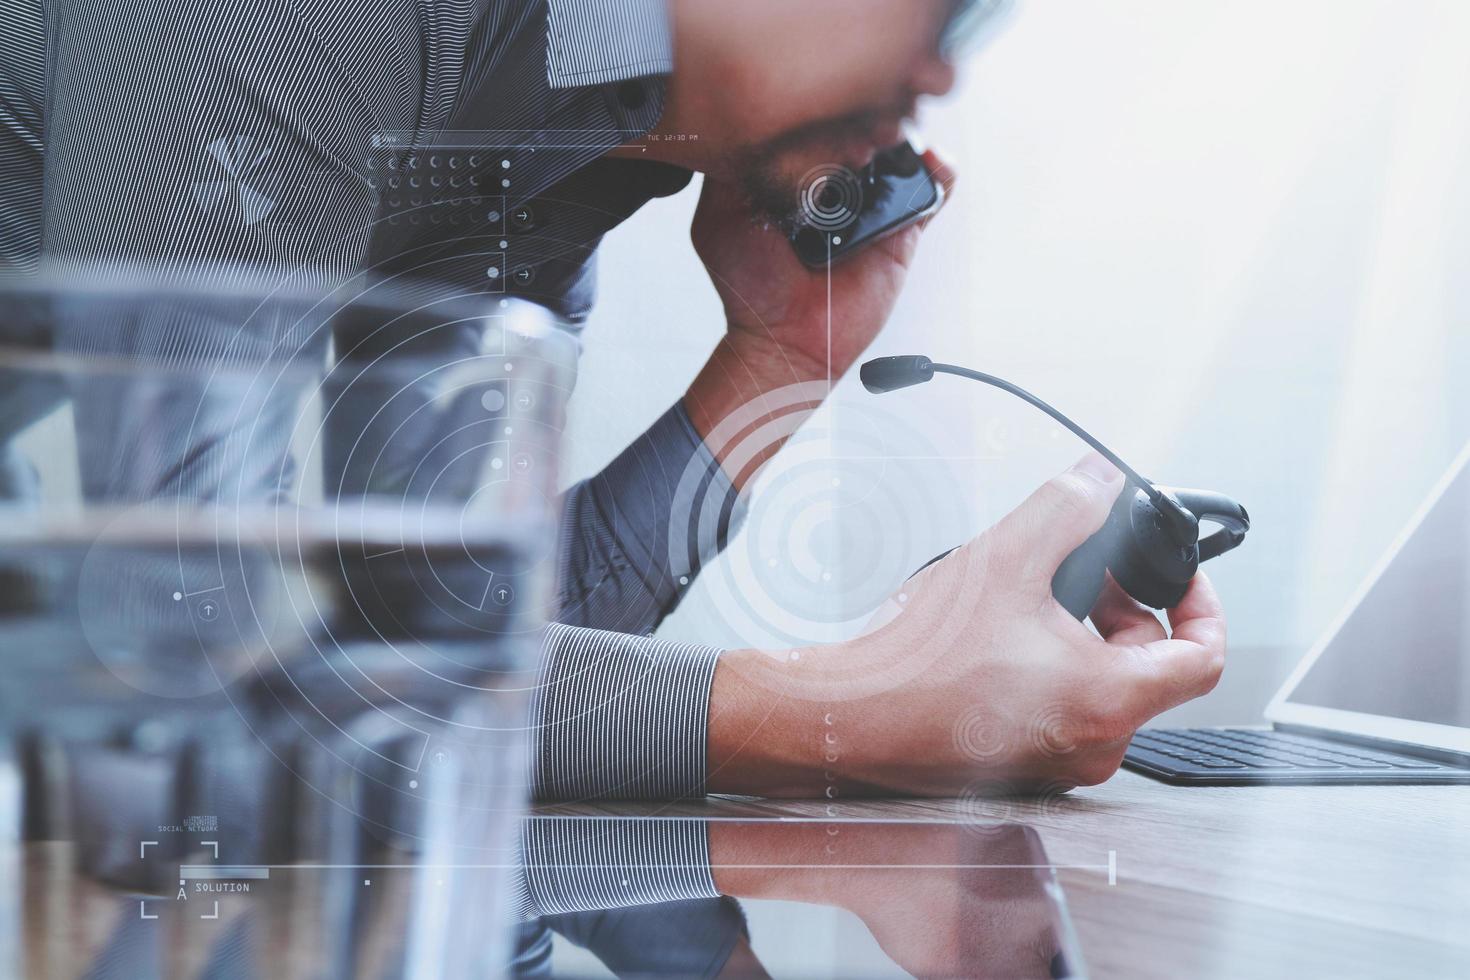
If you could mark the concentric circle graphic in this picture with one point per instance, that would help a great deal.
(829, 528)
(1051, 732)
(980, 735)
(357, 549)
(989, 806)
(169, 641)
(830, 197)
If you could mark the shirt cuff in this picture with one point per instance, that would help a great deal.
(621, 717)
(597, 42)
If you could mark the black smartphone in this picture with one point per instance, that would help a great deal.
(841, 212)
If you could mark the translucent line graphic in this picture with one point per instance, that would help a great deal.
(214, 872)
(217, 588)
(1110, 867)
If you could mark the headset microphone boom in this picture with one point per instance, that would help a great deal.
(1150, 541)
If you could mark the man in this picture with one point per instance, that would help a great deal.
(268, 135)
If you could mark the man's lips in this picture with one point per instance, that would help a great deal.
(888, 134)
(881, 137)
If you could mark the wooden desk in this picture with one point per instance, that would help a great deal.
(1311, 881)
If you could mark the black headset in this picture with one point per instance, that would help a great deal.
(1150, 541)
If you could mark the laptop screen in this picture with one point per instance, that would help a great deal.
(1404, 650)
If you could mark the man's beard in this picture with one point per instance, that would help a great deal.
(771, 173)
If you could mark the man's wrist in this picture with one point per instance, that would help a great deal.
(778, 725)
(742, 370)
(761, 742)
(820, 722)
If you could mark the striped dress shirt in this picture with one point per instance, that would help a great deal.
(461, 141)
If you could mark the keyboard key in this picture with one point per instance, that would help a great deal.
(1164, 737)
(1352, 763)
(1178, 764)
(1274, 753)
(1167, 763)
(1356, 758)
(1413, 764)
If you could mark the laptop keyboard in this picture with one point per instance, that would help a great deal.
(1243, 751)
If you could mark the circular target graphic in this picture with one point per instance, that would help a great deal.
(990, 807)
(826, 532)
(980, 735)
(403, 489)
(175, 622)
(830, 197)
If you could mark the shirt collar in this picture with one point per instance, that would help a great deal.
(601, 42)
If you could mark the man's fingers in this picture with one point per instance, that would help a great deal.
(1199, 617)
(1122, 619)
(903, 245)
(1035, 537)
(1188, 664)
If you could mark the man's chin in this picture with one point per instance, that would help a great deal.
(774, 182)
(853, 155)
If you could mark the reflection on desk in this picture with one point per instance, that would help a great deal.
(646, 897)
(1270, 881)
(1349, 881)
(838, 899)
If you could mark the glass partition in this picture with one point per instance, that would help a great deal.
(275, 564)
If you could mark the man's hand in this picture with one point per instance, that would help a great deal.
(777, 309)
(982, 681)
(770, 298)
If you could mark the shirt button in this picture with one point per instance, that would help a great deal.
(523, 218)
(631, 95)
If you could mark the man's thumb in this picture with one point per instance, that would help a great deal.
(1058, 517)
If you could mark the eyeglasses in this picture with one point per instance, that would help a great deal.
(970, 23)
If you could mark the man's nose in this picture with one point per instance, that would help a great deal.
(934, 76)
